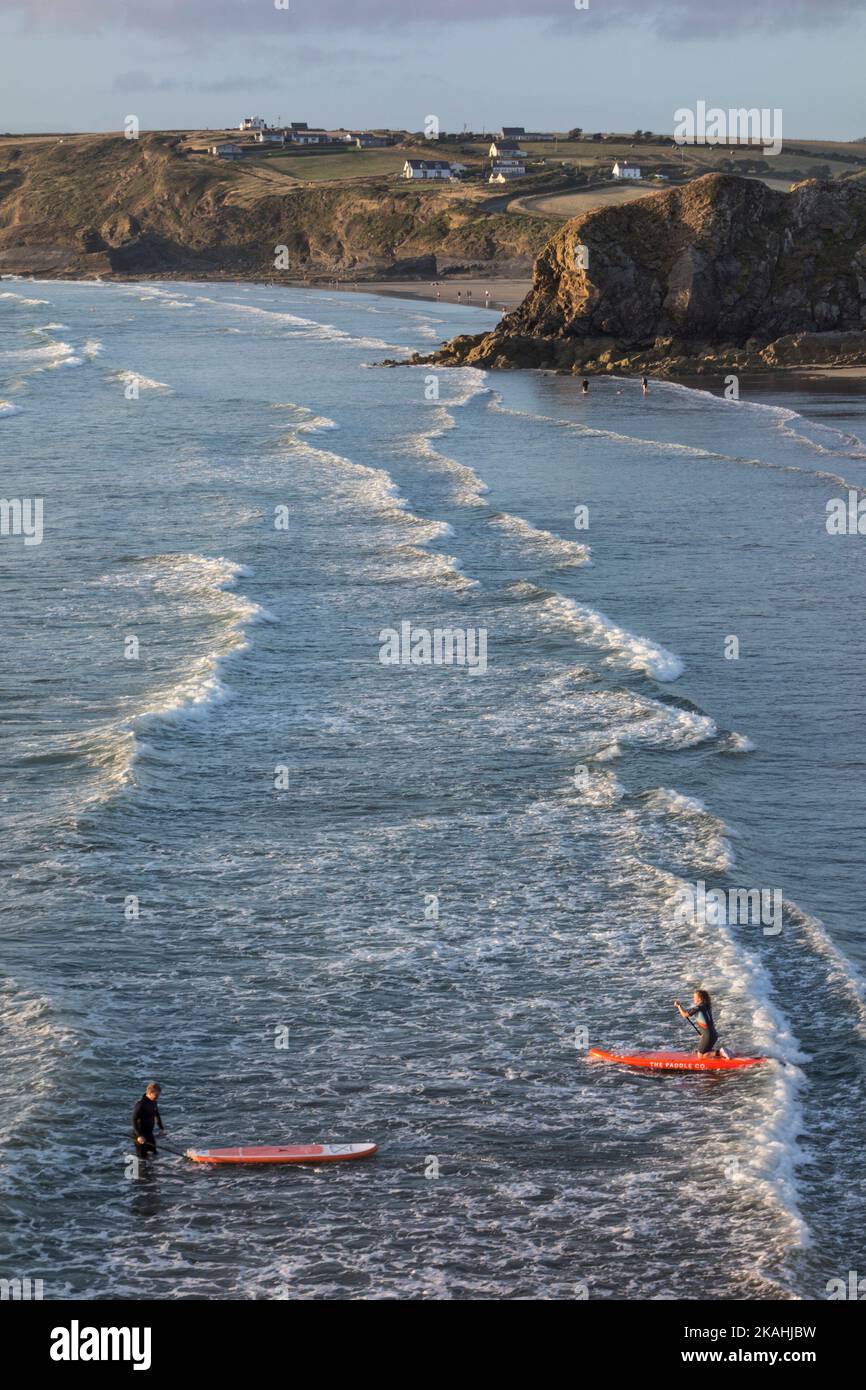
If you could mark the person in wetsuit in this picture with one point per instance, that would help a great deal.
(702, 1013)
(145, 1114)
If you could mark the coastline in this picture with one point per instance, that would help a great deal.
(497, 294)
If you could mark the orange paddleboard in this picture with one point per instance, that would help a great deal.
(283, 1153)
(675, 1061)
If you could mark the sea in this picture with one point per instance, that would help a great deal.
(366, 734)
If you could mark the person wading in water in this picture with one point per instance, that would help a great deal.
(144, 1116)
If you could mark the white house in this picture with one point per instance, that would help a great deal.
(227, 151)
(625, 171)
(252, 123)
(312, 137)
(503, 173)
(426, 169)
(506, 149)
(270, 137)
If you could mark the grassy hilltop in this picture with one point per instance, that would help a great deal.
(103, 205)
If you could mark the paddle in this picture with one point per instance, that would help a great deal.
(677, 1005)
(181, 1153)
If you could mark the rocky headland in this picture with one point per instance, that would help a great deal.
(721, 272)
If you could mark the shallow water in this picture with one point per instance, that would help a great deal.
(323, 897)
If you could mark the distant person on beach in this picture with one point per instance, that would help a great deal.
(145, 1114)
(702, 1013)
(584, 386)
(644, 385)
(458, 295)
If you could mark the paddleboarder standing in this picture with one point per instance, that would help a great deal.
(702, 1016)
(144, 1115)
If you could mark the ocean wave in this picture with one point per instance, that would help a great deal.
(549, 547)
(410, 563)
(685, 829)
(625, 648)
(22, 298)
(375, 489)
(7, 408)
(144, 383)
(312, 329)
(49, 353)
(308, 422)
(469, 487)
(732, 742)
(36, 1044)
(688, 450)
(198, 588)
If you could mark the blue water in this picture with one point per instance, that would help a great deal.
(323, 897)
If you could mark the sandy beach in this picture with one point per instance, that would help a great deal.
(474, 292)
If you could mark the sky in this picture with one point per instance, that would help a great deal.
(620, 65)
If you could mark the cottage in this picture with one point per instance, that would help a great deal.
(253, 123)
(227, 151)
(270, 137)
(505, 149)
(426, 169)
(625, 171)
(366, 141)
(512, 133)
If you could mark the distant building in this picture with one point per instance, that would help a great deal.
(513, 134)
(270, 137)
(625, 171)
(503, 173)
(506, 149)
(312, 137)
(227, 151)
(426, 169)
(367, 141)
(253, 123)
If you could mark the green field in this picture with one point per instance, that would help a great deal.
(342, 164)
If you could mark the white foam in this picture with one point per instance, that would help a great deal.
(545, 543)
(22, 298)
(144, 383)
(626, 649)
(7, 408)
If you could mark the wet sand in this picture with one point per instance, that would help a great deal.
(477, 293)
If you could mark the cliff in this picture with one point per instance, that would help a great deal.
(721, 271)
(104, 205)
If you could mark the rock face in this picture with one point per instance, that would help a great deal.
(723, 270)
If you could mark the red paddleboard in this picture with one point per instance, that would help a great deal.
(676, 1061)
(283, 1153)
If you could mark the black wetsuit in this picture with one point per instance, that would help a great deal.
(145, 1113)
(709, 1036)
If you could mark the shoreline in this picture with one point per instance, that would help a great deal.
(497, 294)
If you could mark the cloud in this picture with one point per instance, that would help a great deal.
(211, 19)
